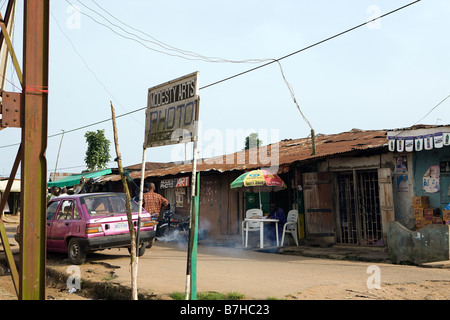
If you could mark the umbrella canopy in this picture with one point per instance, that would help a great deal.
(258, 181)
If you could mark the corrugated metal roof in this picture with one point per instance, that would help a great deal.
(151, 166)
(289, 151)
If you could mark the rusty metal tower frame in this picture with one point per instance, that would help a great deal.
(28, 110)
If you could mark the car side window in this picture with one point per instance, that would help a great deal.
(68, 211)
(76, 214)
(51, 210)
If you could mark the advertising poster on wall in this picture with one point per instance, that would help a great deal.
(402, 183)
(402, 163)
(431, 180)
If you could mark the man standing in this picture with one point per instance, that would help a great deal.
(153, 202)
(55, 192)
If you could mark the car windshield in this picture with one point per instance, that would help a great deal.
(101, 205)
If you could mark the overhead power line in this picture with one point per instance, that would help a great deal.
(184, 54)
(240, 73)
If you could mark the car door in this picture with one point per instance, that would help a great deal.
(51, 213)
(62, 224)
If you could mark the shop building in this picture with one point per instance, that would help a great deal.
(348, 193)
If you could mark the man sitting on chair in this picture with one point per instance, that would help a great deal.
(275, 213)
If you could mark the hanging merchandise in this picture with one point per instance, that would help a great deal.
(446, 138)
(428, 141)
(391, 143)
(418, 141)
(400, 144)
(438, 140)
(409, 144)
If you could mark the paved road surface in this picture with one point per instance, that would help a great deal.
(256, 275)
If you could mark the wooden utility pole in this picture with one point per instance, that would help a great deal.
(57, 157)
(134, 258)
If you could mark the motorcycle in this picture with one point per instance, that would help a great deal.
(172, 228)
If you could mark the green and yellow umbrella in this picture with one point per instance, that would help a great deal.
(260, 180)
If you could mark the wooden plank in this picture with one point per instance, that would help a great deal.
(319, 217)
(386, 198)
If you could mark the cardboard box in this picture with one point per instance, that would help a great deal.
(422, 222)
(420, 219)
(429, 213)
(418, 212)
(445, 214)
(437, 220)
(421, 202)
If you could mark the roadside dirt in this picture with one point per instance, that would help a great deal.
(98, 283)
(427, 290)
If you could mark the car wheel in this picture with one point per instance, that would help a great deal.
(150, 244)
(141, 249)
(75, 252)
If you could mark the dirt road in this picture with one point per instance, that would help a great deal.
(256, 275)
(162, 270)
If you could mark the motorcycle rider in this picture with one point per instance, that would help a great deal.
(152, 201)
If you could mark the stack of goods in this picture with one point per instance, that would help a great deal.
(446, 216)
(420, 204)
(424, 214)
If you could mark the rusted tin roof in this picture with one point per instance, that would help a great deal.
(151, 166)
(289, 151)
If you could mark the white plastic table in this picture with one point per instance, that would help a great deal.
(261, 229)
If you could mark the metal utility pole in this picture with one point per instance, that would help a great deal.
(28, 110)
(34, 144)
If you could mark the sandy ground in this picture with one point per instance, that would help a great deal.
(56, 288)
(427, 290)
(96, 271)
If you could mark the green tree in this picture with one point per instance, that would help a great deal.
(97, 153)
(252, 141)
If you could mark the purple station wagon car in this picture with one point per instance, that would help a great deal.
(82, 223)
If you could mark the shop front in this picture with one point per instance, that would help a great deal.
(422, 194)
(422, 175)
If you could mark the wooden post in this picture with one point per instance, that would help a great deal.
(313, 142)
(134, 258)
(141, 193)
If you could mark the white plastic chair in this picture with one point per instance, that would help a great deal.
(250, 225)
(291, 226)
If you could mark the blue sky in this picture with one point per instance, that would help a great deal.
(383, 76)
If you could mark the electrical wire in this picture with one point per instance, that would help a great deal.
(192, 55)
(87, 66)
(241, 73)
(431, 110)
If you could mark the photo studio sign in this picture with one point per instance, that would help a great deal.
(172, 112)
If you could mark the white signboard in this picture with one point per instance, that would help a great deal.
(172, 112)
